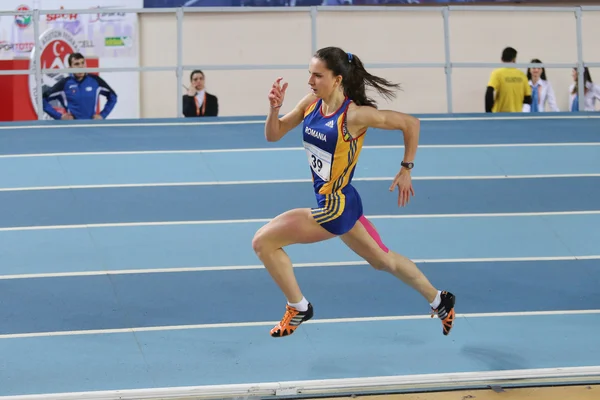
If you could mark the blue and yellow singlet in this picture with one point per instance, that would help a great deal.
(332, 157)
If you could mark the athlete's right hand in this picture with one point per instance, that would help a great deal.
(277, 93)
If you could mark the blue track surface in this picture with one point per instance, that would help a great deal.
(177, 241)
(184, 203)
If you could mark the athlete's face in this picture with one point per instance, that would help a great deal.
(321, 80)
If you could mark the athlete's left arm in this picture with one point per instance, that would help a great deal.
(369, 117)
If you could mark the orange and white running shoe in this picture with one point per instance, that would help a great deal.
(291, 320)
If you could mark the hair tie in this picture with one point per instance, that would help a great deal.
(350, 57)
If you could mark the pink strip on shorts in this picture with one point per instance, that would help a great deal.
(371, 229)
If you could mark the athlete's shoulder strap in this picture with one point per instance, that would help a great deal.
(312, 107)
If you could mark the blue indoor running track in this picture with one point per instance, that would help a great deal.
(127, 265)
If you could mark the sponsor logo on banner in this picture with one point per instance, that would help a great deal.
(56, 45)
(61, 17)
(16, 47)
(23, 21)
(69, 21)
(86, 44)
(118, 41)
(107, 16)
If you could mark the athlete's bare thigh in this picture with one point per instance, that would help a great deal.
(291, 227)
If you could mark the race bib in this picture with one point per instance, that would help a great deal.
(319, 160)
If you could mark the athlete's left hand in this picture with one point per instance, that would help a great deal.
(405, 188)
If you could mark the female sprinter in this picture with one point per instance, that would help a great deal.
(335, 117)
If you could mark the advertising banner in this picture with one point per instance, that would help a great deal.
(105, 39)
(307, 3)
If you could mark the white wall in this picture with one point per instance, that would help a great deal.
(390, 36)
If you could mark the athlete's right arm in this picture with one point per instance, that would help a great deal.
(276, 127)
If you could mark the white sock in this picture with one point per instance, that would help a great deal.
(301, 306)
(438, 299)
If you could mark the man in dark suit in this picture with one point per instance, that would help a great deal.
(197, 102)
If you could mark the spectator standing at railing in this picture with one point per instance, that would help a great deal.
(542, 92)
(79, 94)
(508, 89)
(197, 102)
(591, 92)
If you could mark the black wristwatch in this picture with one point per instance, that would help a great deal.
(407, 165)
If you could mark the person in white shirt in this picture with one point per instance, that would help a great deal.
(591, 92)
(542, 93)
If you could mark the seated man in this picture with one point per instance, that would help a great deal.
(79, 94)
(197, 102)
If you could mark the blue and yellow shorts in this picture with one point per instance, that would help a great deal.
(338, 212)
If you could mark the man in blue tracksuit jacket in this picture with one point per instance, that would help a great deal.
(79, 94)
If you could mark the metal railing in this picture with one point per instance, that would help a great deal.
(313, 11)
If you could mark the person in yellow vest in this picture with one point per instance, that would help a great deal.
(508, 89)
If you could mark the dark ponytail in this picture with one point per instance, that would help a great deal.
(587, 77)
(355, 77)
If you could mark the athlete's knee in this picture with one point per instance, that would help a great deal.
(259, 242)
(262, 242)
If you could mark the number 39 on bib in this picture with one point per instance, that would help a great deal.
(319, 160)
